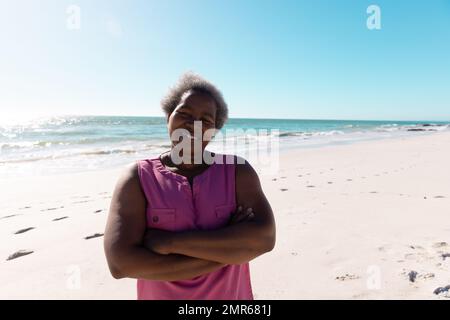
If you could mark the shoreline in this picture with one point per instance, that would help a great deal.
(282, 151)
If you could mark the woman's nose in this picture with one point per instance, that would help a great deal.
(191, 120)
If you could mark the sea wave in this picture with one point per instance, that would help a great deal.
(40, 144)
(84, 143)
(308, 134)
(28, 144)
(413, 127)
(68, 155)
(54, 154)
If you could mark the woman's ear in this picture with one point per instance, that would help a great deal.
(168, 121)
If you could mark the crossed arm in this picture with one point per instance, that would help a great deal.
(135, 252)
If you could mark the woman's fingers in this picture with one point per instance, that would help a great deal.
(242, 215)
(236, 214)
(250, 214)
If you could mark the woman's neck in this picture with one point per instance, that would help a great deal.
(190, 166)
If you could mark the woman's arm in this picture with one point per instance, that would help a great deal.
(235, 244)
(125, 229)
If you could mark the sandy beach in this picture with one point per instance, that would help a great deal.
(368, 220)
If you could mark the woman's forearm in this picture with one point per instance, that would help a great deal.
(140, 263)
(235, 244)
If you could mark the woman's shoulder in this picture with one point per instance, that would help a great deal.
(130, 172)
(146, 164)
(133, 171)
(244, 170)
(246, 177)
(128, 183)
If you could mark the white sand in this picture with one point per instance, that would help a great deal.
(355, 238)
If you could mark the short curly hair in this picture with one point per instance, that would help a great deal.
(191, 81)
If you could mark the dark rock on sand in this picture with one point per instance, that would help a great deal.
(416, 129)
(18, 254)
(50, 209)
(412, 275)
(60, 218)
(445, 255)
(23, 230)
(347, 276)
(95, 235)
(10, 216)
(442, 290)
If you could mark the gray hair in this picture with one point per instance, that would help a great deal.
(191, 81)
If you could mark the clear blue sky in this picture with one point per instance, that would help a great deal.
(272, 59)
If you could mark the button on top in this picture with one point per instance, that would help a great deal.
(155, 219)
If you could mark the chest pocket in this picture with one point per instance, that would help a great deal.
(164, 218)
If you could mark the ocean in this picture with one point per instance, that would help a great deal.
(80, 143)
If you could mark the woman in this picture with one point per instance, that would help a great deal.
(188, 230)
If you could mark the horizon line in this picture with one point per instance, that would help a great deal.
(260, 118)
(18, 120)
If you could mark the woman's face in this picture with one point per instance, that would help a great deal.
(193, 106)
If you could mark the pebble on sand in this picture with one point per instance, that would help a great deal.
(95, 235)
(18, 254)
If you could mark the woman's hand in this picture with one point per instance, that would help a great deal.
(241, 215)
(158, 241)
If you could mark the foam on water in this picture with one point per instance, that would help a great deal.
(78, 143)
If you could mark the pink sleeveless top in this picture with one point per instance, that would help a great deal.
(173, 206)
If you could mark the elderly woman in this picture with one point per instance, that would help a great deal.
(188, 230)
